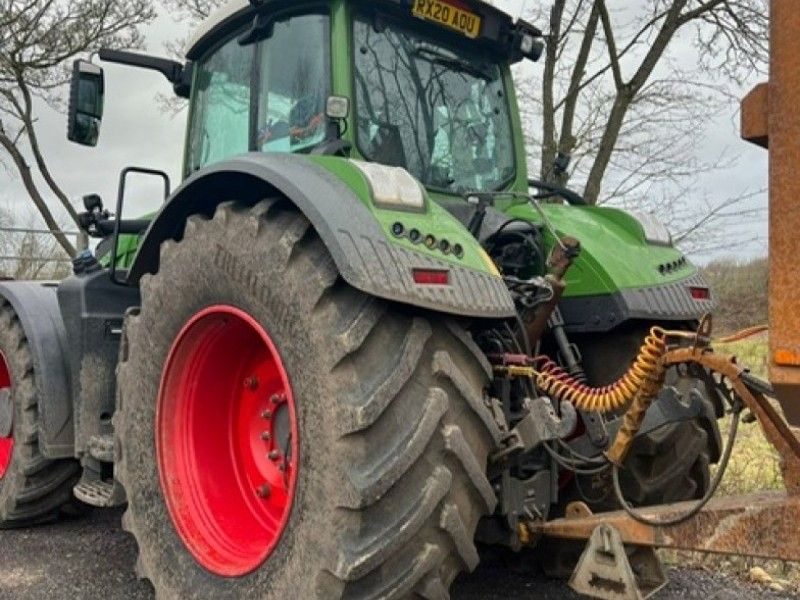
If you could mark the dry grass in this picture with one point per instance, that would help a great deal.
(754, 464)
(740, 289)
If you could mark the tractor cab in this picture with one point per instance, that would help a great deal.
(426, 86)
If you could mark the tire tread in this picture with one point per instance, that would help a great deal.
(34, 488)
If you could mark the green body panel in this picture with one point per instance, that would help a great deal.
(614, 252)
(127, 248)
(435, 220)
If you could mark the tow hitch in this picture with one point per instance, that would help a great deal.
(619, 562)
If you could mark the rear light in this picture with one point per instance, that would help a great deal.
(700, 293)
(431, 277)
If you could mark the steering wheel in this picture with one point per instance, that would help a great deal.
(273, 130)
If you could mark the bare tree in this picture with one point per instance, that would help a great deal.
(26, 253)
(628, 94)
(192, 11)
(37, 39)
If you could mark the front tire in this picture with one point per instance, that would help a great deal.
(392, 431)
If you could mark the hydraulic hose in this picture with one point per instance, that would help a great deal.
(689, 514)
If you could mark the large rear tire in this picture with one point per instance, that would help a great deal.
(387, 466)
(33, 489)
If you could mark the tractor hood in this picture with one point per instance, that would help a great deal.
(616, 253)
(621, 275)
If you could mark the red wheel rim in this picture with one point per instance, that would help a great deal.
(6, 443)
(226, 440)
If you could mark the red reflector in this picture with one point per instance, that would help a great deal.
(431, 277)
(700, 293)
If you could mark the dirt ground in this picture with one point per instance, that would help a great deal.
(93, 558)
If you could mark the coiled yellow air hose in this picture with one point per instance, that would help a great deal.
(647, 368)
(644, 378)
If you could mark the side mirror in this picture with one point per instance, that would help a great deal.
(86, 96)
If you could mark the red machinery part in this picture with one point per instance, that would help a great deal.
(227, 441)
(6, 443)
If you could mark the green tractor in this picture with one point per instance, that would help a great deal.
(299, 375)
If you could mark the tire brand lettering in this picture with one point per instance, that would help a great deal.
(253, 282)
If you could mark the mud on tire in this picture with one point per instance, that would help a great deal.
(394, 433)
(33, 489)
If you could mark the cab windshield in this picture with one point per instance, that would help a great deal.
(439, 111)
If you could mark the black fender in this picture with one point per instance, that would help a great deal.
(364, 257)
(36, 306)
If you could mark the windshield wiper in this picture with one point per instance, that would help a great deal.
(452, 62)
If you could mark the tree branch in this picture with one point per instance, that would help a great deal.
(36, 197)
(548, 120)
(611, 44)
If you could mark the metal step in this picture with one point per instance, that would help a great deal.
(102, 494)
(101, 447)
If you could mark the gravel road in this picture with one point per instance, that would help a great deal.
(64, 561)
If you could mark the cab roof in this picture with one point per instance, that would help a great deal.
(236, 13)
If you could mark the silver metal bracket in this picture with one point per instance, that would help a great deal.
(541, 424)
(608, 570)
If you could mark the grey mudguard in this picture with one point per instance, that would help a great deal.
(363, 255)
(36, 306)
(666, 302)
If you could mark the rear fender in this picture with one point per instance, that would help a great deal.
(360, 249)
(36, 305)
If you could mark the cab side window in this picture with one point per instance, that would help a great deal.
(268, 96)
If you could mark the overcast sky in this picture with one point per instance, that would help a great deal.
(136, 132)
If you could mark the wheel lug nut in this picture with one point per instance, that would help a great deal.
(264, 491)
(277, 398)
(267, 414)
(251, 382)
(266, 436)
(274, 455)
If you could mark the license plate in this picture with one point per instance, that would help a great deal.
(449, 15)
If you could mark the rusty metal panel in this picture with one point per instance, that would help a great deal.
(760, 525)
(755, 116)
(784, 212)
(782, 99)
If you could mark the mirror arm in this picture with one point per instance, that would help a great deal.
(170, 69)
(183, 88)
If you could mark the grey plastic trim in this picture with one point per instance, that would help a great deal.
(360, 249)
(36, 306)
(667, 302)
